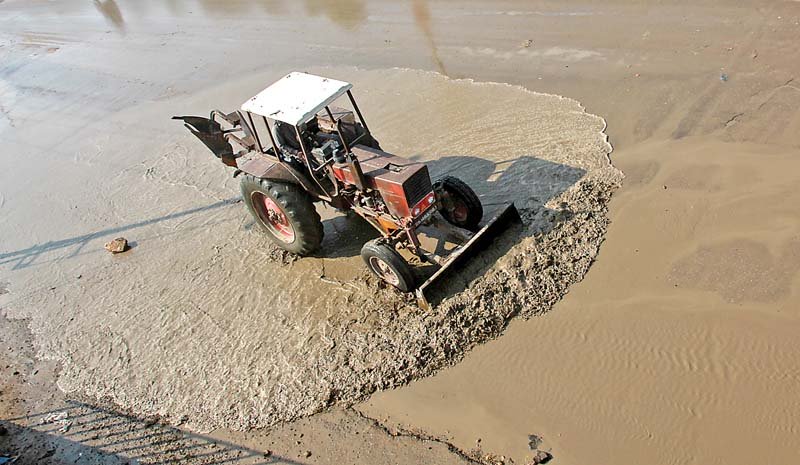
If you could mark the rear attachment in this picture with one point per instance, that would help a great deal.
(472, 247)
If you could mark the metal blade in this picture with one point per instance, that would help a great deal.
(475, 245)
(210, 133)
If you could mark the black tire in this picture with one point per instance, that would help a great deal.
(292, 211)
(460, 205)
(387, 264)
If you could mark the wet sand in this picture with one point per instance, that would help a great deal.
(676, 347)
(681, 339)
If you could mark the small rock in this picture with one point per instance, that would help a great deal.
(527, 43)
(3, 430)
(267, 453)
(540, 457)
(534, 441)
(307, 454)
(118, 245)
(723, 77)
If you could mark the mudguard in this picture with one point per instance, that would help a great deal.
(266, 168)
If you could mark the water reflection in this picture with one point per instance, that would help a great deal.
(218, 7)
(422, 16)
(110, 11)
(272, 7)
(348, 14)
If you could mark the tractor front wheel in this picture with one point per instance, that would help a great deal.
(386, 263)
(460, 205)
(285, 212)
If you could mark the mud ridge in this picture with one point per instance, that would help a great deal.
(473, 457)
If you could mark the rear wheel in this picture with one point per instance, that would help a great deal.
(384, 261)
(285, 212)
(460, 205)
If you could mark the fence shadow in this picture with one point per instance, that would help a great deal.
(85, 433)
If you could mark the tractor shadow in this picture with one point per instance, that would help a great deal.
(344, 235)
(527, 181)
(52, 251)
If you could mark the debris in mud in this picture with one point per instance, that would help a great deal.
(534, 441)
(118, 245)
(540, 457)
(58, 419)
(494, 459)
(277, 254)
(527, 43)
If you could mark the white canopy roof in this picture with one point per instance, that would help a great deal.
(296, 97)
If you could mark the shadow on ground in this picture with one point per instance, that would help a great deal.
(527, 181)
(84, 433)
(24, 258)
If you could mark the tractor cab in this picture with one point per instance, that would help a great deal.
(294, 121)
(305, 126)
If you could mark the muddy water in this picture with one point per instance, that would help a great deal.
(203, 307)
(681, 345)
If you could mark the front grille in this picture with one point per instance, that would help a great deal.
(417, 186)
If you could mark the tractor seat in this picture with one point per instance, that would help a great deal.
(285, 137)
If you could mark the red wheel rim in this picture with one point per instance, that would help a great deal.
(383, 270)
(273, 217)
(460, 211)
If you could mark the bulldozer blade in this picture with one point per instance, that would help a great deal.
(472, 247)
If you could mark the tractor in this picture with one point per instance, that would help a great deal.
(293, 148)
